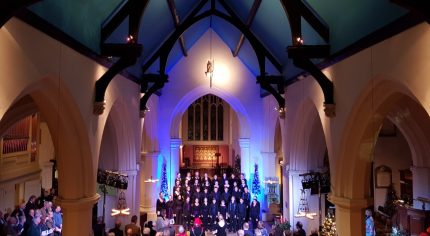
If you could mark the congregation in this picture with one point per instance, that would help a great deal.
(37, 217)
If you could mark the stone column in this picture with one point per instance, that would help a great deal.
(149, 191)
(268, 169)
(173, 164)
(77, 215)
(350, 215)
(245, 165)
(421, 185)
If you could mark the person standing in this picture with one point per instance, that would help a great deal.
(169, 208)
(161, 204)
(254, 213)
(177, 210)
(205, 214)
(186, 213)
(232, 215)
(241, 212)
(213, 214)
(222, 209)
(370, 224)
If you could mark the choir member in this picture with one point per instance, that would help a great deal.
(188, 193)
(241, 212)
(254, 212)
(205, 213)
(161, 204)
(169, 207)
(236, 193)
(246, 195)
(225, 195)
(216, 194)
(195, 209)
(242, 185)
(186, 212)
(213, 213)
(242, 177)
(177, 210)
(206, 177)
(197, 195)
(232, 215)
(205, 194)
(222, 209)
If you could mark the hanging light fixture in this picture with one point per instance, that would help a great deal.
(303, 209)
(122, 208)
(211, 62)
(151, 180)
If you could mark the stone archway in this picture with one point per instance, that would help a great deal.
(118, 152)
(72, 149)
(353, 167)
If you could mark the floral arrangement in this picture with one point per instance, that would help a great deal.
(282, 225)
(396, 231)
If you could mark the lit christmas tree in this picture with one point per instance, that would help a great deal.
(329, 226)
(256, 182)
(164, 185)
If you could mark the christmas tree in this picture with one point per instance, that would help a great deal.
(329, 226)
(164, 184)
(256, 182)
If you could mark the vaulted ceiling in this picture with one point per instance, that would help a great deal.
(277, 40)
(347, 20)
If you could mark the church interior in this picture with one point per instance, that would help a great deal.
(323, 106)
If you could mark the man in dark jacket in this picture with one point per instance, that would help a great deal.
(135, 229)
(34, 229)
(241, 212)
(232, 215)
(116, 230)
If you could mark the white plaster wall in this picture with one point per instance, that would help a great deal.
(236, 81)
(393, 152)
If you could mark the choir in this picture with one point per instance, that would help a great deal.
(208, 199)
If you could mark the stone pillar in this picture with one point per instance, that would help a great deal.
(421, 185)
(173, 164)
(77, 215)
(245, 165)
(285, 191)
(268, 169)
(149, 191)
(350, 215)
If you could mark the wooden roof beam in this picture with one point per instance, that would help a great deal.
(176, 20)
(249, 21)
(9, 8)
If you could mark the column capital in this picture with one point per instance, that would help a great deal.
(350, 203)
(415, 168)
(268, 154)
(244, 142)
(175, 142)
(148, 155)
(77, 204)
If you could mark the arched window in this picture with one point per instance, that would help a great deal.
(206, 119)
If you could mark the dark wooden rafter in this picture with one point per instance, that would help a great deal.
(127, 52)
(420, 7)
(164, 50)
(176, 20)
(8, 8)
(262, 53)
(249, 21)
(302, 54)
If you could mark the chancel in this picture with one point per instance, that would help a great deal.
(274, 117)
